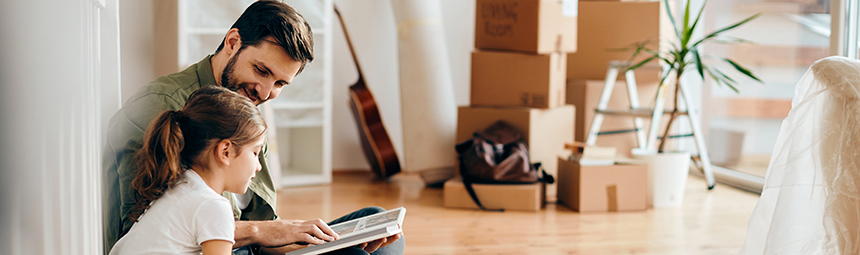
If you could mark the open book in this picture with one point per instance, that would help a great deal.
(361, 230)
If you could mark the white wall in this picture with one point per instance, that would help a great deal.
(459, 18)
(137, 51)
(373, 31)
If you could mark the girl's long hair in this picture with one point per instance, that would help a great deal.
(175, 139)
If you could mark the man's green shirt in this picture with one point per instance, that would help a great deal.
(125, 137)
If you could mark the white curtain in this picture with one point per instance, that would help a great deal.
(811, 203)
(59, 84)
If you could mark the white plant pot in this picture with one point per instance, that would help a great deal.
(667, 176)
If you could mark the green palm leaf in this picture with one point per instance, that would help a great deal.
(729, 79)
(720, 80)
(686, 31)
(672, 18)
(693, 27)
(742, 69)
(730, 40)
(637, 65)
(716, 33)
(697, 60)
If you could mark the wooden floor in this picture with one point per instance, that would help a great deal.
(710, 222)
(754, 164)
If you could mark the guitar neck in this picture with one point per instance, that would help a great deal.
(349, 42)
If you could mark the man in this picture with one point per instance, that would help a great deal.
(264, 50)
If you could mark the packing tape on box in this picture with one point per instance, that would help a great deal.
(611, 198)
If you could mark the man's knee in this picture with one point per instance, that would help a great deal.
(371, 210)
(348, 251)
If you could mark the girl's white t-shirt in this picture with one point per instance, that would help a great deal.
(179, 221)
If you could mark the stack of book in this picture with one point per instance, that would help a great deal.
(591, 155)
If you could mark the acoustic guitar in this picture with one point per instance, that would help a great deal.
(375, 142)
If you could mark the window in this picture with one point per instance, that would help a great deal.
(788, 37)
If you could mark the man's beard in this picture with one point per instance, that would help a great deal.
(231, 82)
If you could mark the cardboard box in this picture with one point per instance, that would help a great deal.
(523, 197)
(501, 78)
(607, 25)
(610, 188)
(585, 94)
(535, 26)
(545, 131)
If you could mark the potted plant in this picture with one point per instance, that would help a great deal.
(682, 56)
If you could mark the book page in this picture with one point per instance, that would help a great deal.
(381, 219)
(360, 230)
(345, 228)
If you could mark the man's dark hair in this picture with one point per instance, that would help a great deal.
(287, 27)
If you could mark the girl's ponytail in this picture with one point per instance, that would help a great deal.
(176, 140)
(159, 163)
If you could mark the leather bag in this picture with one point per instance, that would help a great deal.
(497, 155)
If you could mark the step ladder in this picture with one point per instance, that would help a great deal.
(702, 161)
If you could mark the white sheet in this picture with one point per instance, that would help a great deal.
(810, 203)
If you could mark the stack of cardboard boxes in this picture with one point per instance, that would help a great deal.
(518, 76)
(540, 65)
(605, 27)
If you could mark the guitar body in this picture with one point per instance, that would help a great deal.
(375, 142)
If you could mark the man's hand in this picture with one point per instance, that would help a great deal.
(378, 243)
(277, 233)
(297, 231)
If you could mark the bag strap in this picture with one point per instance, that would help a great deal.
(544, 176)
(467, 182)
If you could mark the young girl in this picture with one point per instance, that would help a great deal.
(188, 159)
